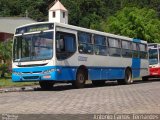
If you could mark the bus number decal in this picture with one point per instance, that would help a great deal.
(81, 58)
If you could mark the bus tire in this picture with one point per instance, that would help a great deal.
(81, 78)
(128, 78)
(145, 78)
(98, 82)
(46, 85)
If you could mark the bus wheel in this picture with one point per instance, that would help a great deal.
(128, 78)
(98, 82)
(46, 85)
(80, 79)
(145, 78)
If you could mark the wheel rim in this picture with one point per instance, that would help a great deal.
(81, 78)
(129, 77)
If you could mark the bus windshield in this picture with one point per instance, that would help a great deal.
(153, 56)
(33, 47)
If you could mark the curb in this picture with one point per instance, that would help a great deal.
(18, 89)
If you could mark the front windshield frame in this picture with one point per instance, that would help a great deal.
(153, 56)
(33, 36)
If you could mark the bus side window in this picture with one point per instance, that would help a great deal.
(65, 45)
(100, 45)
(114, 47)
(85, 43)
(135, 48)
(143, 51)
(126, 49)
(60, 42)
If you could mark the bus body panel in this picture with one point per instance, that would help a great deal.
(107, 69)
(144, 68)
(136, 65)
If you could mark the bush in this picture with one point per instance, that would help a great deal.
(3, 69)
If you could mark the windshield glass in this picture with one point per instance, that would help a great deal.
(33, 47)
(153, 56)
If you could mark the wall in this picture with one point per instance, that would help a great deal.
(5, 36)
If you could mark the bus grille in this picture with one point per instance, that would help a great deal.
(31, 72)
(31, 77)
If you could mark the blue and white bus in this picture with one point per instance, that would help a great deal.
(55, 52)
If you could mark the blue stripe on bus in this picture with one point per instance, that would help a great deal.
(106, 73)
(136, 65)
(68, 73)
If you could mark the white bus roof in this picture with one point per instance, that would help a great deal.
(154, 45)
(85, 29)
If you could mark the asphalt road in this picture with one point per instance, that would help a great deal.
(140, 97)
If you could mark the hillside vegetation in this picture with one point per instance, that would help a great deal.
(133, 18)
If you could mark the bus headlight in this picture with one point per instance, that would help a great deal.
(16, 73)
(49, 71)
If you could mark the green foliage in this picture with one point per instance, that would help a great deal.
(7, 82)
(136, 23)
(5, 57)
(3, 67)
(131, 21)
(36, 9)
(3, 70)
(6, 50)
(85, 13)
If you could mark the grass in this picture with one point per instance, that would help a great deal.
(7, 82)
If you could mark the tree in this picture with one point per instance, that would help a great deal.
(135, 23)
(86, 13)
(37, 10)
(78, 9)
(5, 56)
(6, 50)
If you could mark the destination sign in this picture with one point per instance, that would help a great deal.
(35, 28)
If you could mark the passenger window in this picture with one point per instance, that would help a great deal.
(135, 48)
(114, 47)
(113, 42)
(99, 40)
(85, 48)
(85, 43)
(100, 50)
(100, 45)
(126, 49)
(84, 37)
(65, 45)
(143, 51)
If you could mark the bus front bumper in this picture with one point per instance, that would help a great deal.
(154, 71)
(34, 75)
(55, 73)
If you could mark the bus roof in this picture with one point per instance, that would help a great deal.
(86, 30)
(153, 45)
